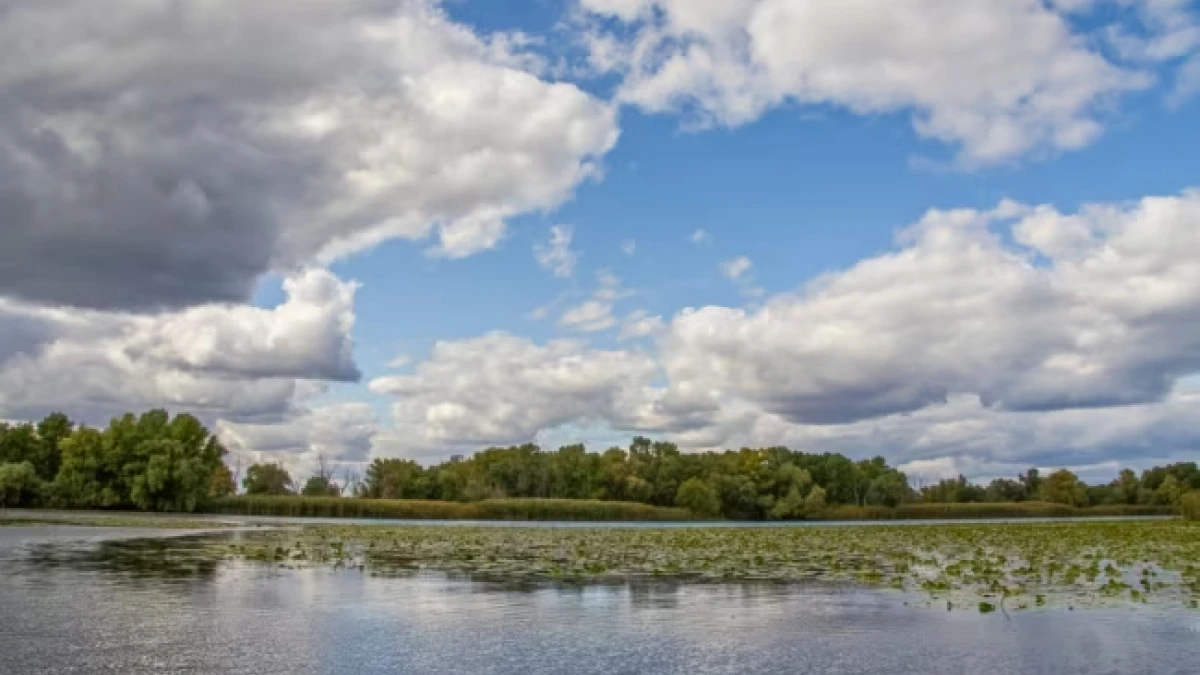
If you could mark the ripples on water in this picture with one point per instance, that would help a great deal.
(119, 604)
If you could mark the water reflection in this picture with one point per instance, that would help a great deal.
(157, 607)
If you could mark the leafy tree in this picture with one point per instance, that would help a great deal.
(1170, 491)
(20, 485)
(399, 479)
(1127, 486)
(151, 462)
(889, 489)
(1005, 490)
(51, 432)
(320, 486)
(18, 443)
(1189, 505)
(698, 497)
(221, 483)
(268, 479)
(1063, 487)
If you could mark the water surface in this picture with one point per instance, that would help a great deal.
(100, 601)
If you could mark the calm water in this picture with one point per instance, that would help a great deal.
(114, 604)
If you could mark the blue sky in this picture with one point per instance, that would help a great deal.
(898, 257)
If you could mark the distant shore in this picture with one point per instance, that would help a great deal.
(591, 510)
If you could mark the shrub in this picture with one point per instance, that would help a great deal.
(1189, 505)
(20, 485)
(698, 497)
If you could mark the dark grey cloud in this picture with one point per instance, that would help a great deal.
(161, 155)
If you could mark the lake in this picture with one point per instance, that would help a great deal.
(103, 600)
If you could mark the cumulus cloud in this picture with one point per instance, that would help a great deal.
(217, 361)
(1087, 310)
(309, 336)
(555, 254)
(701, 238)
(502, 389)
(167, 154)
(996, 79)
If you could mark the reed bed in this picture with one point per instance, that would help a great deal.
(413, 509)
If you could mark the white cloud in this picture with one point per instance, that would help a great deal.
(555, 254)
(701, 238)
(500, 389)
(959, 311)
(166, 154)
(735, 268)
(996, 79)
(218, 361)
(596, 313)
(308, 336)
(639, 324)
(629, 247)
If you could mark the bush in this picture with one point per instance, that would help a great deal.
(20, 485)
(698, 497)
(419, 509)
(1189, 505)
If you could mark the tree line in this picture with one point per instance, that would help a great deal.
(151, 462)
(751, 483)
(163, 463)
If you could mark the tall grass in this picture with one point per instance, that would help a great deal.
(985, 510)
(413, 509)
(1189, 505)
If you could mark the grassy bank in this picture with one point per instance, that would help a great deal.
(987, 510)
(408, 509)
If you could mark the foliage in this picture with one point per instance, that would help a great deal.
(20, 485)
(37, 444)
(222, 484)
(1063, 487)
(1189, 505)
(268, 479)
(152, 462)
(698, 497)
(320, 486)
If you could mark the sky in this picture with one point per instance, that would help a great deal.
(965, 236)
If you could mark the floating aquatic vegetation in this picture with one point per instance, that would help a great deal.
(1011, 566)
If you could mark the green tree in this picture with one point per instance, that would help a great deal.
(399, 479)
(221, 483)
(1170, 491)
(20, 485)
(268, 479)
(1063, 487)
(1189, 505)
(320, 486)
(890, 488)
(1127, 486)
(698, 497)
